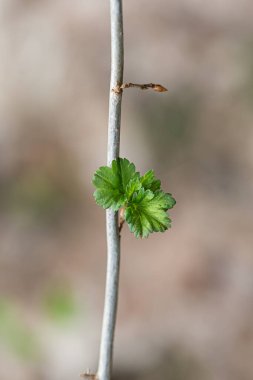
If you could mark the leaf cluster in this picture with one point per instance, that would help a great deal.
(145, 204)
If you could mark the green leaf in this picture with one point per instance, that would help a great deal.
(144, 202)
(108, 188)
(165, 200)
(149, 182)
(170, 201)
(125, 170)
(133, 186)
(111, 183)
(147, 212)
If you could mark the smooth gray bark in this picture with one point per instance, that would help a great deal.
(112, 230)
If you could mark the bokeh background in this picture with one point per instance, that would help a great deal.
(186, 296)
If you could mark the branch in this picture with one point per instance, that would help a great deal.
(112, 229)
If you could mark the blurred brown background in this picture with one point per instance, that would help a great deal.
(186, 296)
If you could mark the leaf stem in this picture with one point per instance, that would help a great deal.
(112, 228)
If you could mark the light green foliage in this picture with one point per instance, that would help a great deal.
(133, 186)
(147, 213)
(111, 183)
(144, 202)
(148, 181)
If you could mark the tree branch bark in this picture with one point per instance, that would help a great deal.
(112, 229)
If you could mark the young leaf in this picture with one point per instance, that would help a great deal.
(133, 186)
(146, 213)
(144, 202)
(111, 183)
(165, 200)
(149, 182)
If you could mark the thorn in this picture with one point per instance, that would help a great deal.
(159, 88)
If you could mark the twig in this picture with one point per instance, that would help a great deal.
(112, 230)
(156, 87)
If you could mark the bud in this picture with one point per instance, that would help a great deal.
(159, 88)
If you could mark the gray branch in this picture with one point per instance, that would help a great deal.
(112, 230)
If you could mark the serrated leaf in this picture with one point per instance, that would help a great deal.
(144, 202)
(108, 190)
(147, 212)
(111, 183)
(149, 182)
(126, 171)
(133, 186)
(170, 201)
(165, 200)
